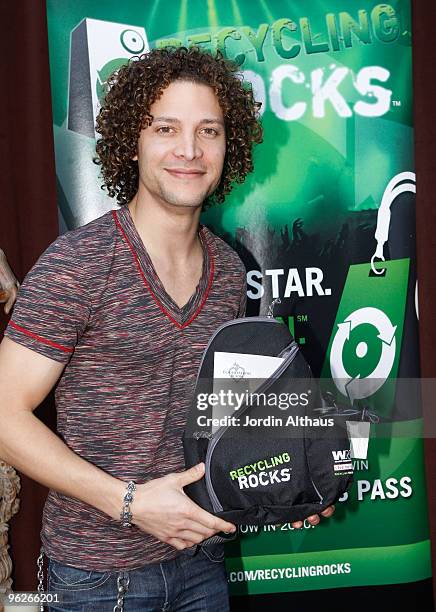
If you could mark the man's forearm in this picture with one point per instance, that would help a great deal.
(160, 508)
(31, 447)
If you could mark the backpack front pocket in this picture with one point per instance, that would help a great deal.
(259, 472)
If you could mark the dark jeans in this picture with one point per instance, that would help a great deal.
(188, 583)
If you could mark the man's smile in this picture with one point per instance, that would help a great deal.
(185, 173)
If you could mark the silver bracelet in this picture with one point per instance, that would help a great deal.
(126, 515)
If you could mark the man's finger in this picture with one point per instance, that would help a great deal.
(209, 520)
(297, 524)
(199, 529)
(198, 514)
(192, 475)
(191, 536)
(313, 519)
(179, 544)
(328, 511)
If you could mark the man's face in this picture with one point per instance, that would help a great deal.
(181, 154)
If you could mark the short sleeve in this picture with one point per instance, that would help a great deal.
(52, 309)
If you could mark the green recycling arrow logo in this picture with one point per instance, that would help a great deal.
(355, 386)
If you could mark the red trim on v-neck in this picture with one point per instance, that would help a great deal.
(155, 298)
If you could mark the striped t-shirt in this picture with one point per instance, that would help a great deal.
(94, 302)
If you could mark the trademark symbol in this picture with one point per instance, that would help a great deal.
(396, 102)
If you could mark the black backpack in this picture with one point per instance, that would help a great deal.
(268, 472)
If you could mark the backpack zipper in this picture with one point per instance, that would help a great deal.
(321, 499)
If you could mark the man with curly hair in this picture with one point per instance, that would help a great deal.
(117, 314)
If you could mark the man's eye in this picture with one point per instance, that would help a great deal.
(210, 131)
(164, 129)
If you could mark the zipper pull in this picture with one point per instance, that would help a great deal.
(291, 348)
(270, 313)
(202, 434)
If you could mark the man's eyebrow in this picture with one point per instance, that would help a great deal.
(214, 120)
(208, 121)
(166, 119)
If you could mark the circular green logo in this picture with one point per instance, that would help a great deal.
(362, 351)
(132, 41)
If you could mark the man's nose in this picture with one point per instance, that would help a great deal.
(188, 146)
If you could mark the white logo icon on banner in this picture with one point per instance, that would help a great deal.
(359, 388)
(96, 49)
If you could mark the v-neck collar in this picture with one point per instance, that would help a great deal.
(181, 317)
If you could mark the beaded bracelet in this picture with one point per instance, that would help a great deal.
(126, 515)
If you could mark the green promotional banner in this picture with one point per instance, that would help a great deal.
(326, 223)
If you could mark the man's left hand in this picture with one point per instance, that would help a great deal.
(314, 519)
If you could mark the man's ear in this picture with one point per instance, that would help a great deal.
(135, 158)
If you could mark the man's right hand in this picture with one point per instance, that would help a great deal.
(163, 509)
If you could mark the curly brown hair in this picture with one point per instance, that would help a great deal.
(134, 87)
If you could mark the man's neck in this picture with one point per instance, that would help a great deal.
(166, 231)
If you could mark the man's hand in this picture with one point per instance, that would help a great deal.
(314, 519)
(163, 509)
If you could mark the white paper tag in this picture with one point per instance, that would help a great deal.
(239, 374)
(358, 432)
(240, 366)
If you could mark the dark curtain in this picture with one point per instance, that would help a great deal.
(29, 215)
(424, 56)
(28, 208)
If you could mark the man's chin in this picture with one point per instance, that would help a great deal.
(188, 201)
